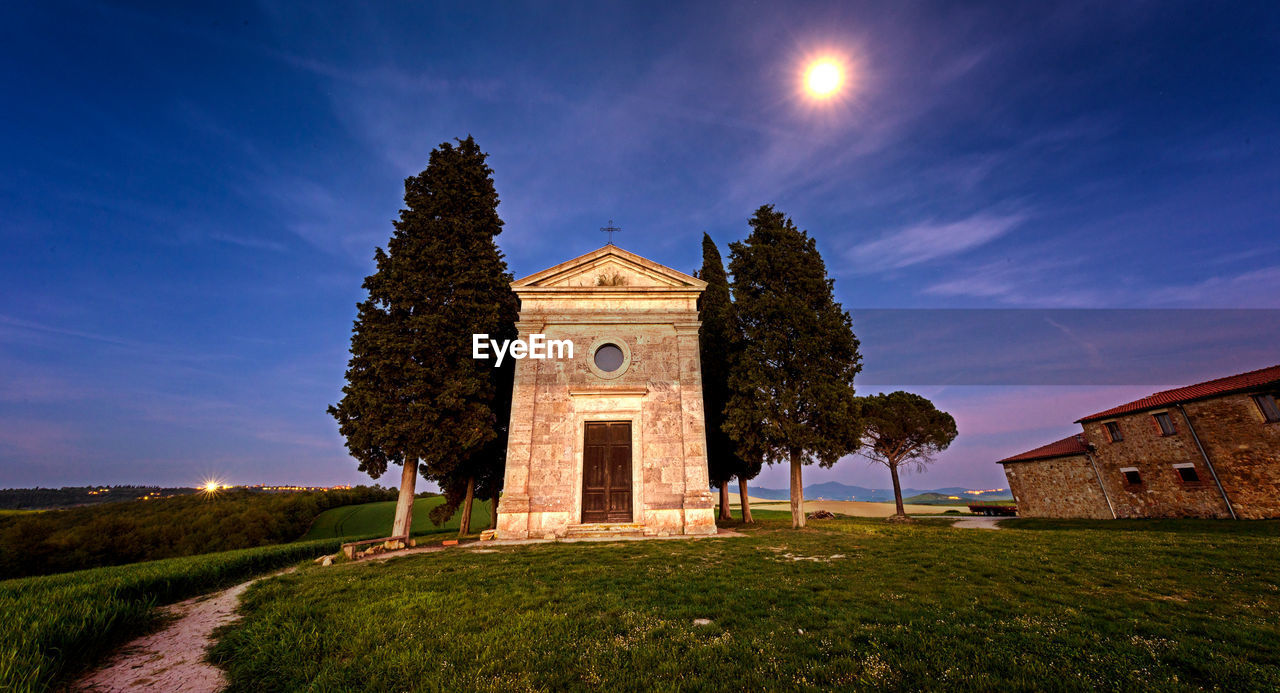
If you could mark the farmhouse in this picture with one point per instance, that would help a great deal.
(1206, 450)
(612, 440)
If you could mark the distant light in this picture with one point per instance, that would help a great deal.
(212, 486)
(823, 78)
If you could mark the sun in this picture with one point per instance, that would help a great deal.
(823, 78)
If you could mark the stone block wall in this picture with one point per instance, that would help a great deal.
(660, 393)
(1059, 487)
(1244, 450)
(1144, 448)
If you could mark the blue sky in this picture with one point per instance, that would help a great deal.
(190, 197)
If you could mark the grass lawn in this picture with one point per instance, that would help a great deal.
(847, 603)
(374, 519)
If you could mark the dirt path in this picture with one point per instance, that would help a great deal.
(978, 523)
(172, 659)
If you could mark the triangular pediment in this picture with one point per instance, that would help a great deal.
(609, 268)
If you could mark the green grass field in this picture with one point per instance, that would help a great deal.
(374, 519)
(845, 604)
(53, 625)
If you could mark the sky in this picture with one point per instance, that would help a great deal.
(190, 197)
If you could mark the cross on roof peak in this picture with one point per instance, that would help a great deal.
(610, 229)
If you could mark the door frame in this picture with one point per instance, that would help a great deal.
(597, 406)
(631, 447)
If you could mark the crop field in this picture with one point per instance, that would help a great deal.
(53, 625)
(374, 519)
(849, 603)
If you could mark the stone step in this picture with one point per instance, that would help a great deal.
(606, 529)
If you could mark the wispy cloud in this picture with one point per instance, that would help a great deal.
(1258, 288)
(1065, 283)
(246, 242)
(1247, 254)
(931, 241)
(18, 325)
(1045, 274)
(1089, 347)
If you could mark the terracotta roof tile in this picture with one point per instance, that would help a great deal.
(1072, 445)
(1220, 386)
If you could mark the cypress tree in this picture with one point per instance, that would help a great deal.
(791, 380)
(414, 396)
(715, 341)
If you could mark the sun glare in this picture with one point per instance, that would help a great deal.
(823, 78)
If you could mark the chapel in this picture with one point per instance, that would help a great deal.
(610, 441)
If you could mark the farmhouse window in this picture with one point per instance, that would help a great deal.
(1187, 473)
(1131, 476)
(1113, 430)
(1267, 405)
(1165, 423)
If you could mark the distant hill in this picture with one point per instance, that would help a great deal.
(834, 490)
(75, 496)
(769, 493)
(932, 497)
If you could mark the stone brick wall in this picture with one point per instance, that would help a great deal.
(1144, 448)
(1244, 450)
(1059, 487)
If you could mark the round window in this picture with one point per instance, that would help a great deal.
(609, 358)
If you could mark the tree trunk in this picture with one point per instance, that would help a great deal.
(493, 511)
(897, 490)
(797, 491)
(403, 522)
(724, 501)
(746, 502)
(464, 525)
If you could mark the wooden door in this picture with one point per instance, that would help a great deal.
(606, 472)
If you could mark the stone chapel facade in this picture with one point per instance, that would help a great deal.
(612, 440)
